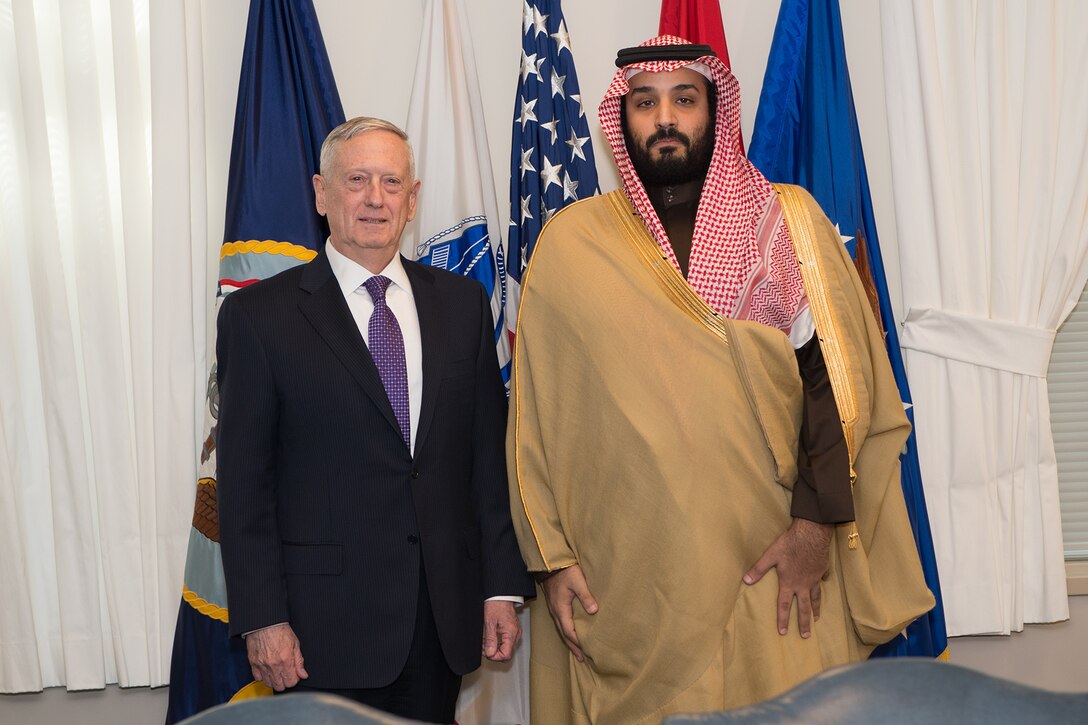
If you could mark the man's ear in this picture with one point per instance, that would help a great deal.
(413, 198)
(319, 193)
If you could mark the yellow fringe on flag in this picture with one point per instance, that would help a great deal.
(268, 246)
(204, 607)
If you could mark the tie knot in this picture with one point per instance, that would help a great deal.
(376, 286)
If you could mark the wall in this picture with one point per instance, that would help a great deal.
(372, 46)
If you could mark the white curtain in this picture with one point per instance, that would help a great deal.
(988, 109)
(103, 339)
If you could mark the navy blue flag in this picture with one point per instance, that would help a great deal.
(287, 104)
(551, 154)
(806, 133)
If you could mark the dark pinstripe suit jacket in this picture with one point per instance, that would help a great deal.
(323, 509)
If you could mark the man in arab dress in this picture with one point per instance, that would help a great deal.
(704, 425)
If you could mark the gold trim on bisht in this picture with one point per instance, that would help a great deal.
(671, 280)
(803, 235)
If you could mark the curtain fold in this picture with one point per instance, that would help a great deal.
(98, 366)
(989, 110)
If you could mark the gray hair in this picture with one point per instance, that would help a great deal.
(352, 128)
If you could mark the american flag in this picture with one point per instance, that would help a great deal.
(551, 155)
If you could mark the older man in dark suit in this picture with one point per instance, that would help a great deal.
(366, 532)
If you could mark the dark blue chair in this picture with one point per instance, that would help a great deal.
(905, 691)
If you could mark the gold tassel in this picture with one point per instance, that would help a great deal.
(855, 537)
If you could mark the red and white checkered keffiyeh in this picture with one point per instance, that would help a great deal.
(742, 261)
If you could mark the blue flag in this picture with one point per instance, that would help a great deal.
(806, 133)
(287, 104)
(551, 154)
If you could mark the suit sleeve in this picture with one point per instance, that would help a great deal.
(504, 571)
(246, 445)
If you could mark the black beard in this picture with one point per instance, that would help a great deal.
(673, 168)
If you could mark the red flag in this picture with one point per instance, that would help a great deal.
(699, 21)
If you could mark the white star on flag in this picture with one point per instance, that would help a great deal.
(576, 143)
(550, 125)
(570, 188)
(540, 22)
(547, 213)
(527, 113)
(526, 161)
(557, 84)
(526, 17)
(577, 98)
(845, 239)
(530, 65)
(525, 213)
(562, 40)
(550, 174)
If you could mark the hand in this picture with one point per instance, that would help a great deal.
(275, 657)
(800, 554)
(560, 589)
(502, 630)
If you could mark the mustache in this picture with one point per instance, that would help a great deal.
(671, 133)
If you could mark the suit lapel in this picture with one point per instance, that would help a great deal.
(324, 306)
(432, 339)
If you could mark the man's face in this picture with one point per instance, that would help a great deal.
(368, 197)
(667, 126)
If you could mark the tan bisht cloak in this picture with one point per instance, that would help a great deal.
(654, 443)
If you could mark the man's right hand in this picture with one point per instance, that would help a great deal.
(275, 657)
(560, 590)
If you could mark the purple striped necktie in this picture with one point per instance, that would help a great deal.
(387, 348)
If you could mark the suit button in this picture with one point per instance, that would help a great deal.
(413, 539)
(415, 473)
